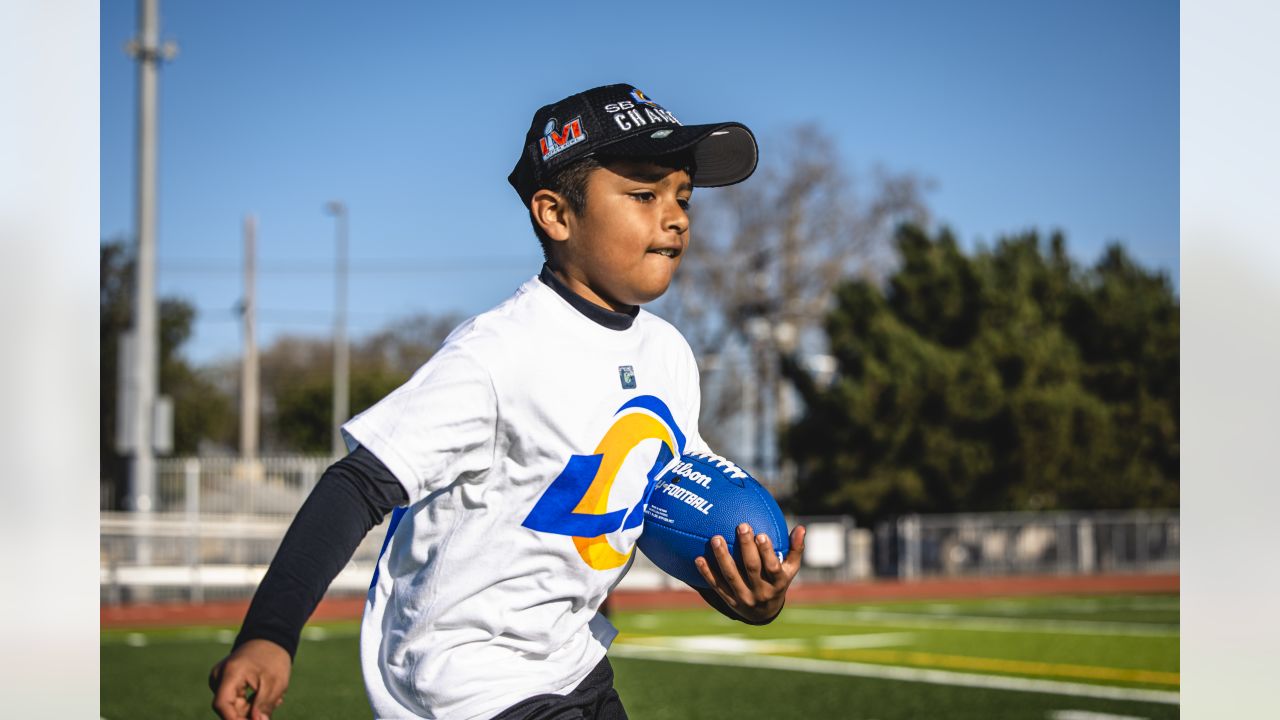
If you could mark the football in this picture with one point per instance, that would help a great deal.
(702, 496)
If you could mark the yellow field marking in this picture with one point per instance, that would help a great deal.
(1022, 667)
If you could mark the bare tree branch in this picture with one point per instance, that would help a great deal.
(765, 256)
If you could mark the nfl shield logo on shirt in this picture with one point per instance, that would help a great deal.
(627, 376)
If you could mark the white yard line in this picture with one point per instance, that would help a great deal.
(736, 643)
(886, 672)
(720, 644)
(865, 640)
(1086, 715)
(976, 622)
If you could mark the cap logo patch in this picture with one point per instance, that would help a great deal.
(640, 97)
(553, 142)
(659, 134)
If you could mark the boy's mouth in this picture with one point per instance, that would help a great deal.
(671, 252)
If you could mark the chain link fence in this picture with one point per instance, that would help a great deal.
(1029, 543)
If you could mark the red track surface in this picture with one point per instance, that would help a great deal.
(230, 613)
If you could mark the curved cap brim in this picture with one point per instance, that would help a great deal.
(723, 153)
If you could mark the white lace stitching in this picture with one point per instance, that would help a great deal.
(723, 463)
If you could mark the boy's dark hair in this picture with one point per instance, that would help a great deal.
(570, 182)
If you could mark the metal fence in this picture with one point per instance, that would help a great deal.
(267, 487)
(1029, 543)
(216, 525)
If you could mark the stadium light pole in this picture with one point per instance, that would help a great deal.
(341, 353)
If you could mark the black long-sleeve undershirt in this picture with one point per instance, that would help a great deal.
(351, 498)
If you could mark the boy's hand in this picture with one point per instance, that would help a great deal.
(250, 682)
(760, 594)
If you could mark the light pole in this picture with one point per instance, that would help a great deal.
(341, 355)
(149, 52)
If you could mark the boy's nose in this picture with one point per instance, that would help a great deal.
(677, 219)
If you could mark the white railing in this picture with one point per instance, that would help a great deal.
(216, 525)
(267, 487)
(178, 556)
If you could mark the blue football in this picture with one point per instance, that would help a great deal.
(702, 496)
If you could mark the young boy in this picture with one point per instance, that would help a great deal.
(518, 459)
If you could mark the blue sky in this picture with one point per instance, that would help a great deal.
(1025, 114)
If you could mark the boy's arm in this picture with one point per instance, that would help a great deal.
(755, 597)
(351, 497)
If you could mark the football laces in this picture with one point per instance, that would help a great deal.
(723, 463)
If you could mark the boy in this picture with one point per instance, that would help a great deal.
(518, 459)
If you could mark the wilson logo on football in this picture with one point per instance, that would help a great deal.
(556, 141)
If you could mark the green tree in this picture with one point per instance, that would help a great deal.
(202, 412)
(297, 379)
(1011, 379)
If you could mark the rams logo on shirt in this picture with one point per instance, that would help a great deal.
(576, 503)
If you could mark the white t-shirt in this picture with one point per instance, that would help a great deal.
(527, 446)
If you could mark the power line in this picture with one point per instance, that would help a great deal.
(293, 316)
(383, 266)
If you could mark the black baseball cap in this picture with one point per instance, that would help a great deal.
(621, 121)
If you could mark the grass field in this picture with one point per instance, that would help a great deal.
(1060, 658)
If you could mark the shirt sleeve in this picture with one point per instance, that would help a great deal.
(437, 427)
(350, 498)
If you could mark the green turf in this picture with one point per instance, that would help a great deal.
(167, 678)
(667, 691)
(928, 623)
(162, 672)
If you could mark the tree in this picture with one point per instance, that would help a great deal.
(297, 379)
(202, 413)
(1126, 325)
(1009, 380)
(764, 258)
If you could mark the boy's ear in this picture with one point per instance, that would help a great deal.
(550, 211)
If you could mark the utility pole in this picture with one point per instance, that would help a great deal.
(146, 49)
(341, 353)
(249, 363)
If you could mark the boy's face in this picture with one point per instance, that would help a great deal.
(625, 247)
